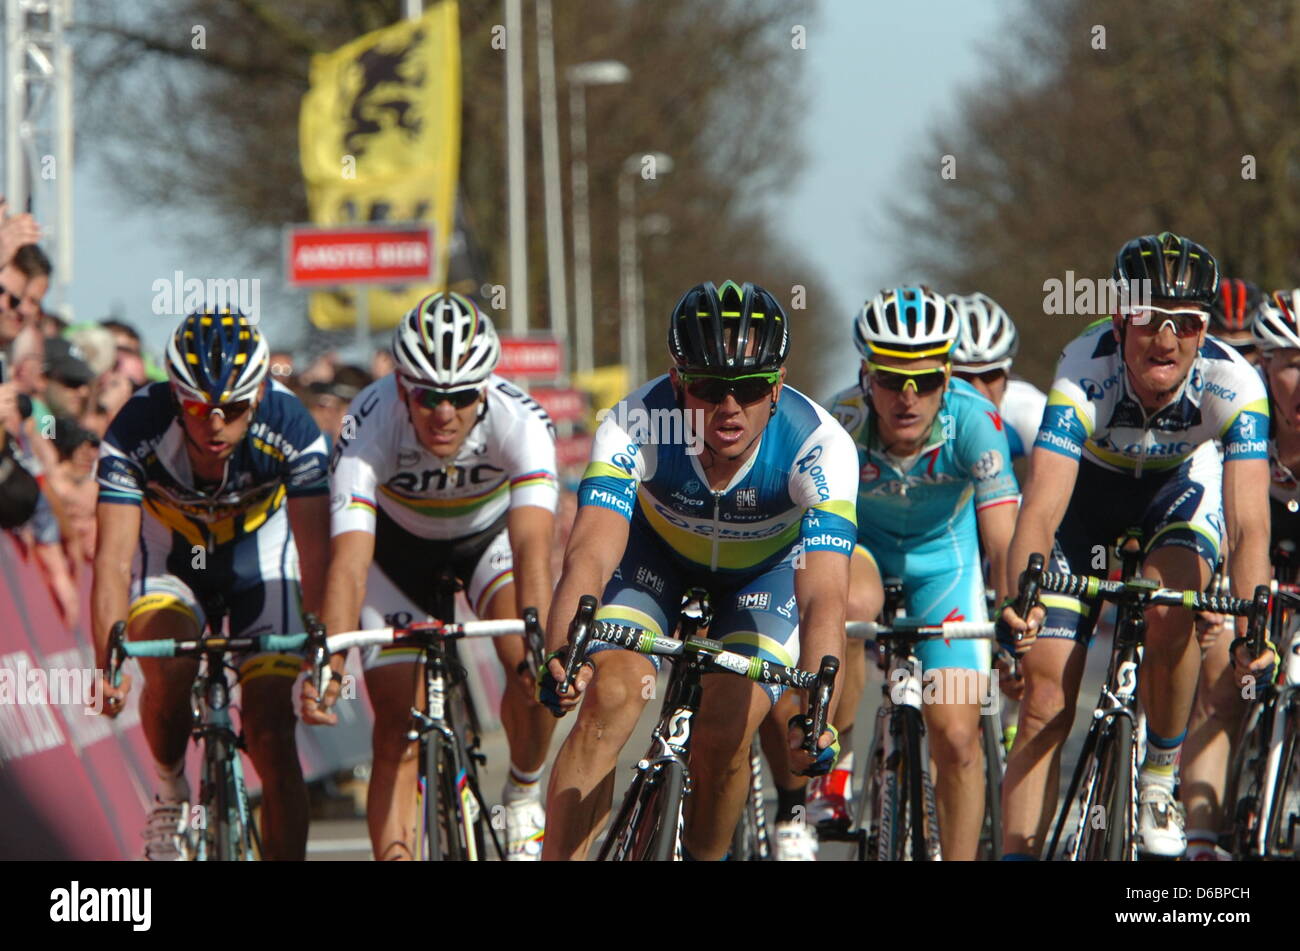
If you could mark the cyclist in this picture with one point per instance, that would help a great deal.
(936, 479)
(751, 497)
(442, 464)
(1232, 314)
(1219, 706)
(1134, 398)
(230, 471)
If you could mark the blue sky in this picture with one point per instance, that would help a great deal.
(880, 74)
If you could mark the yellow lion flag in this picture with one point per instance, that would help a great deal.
(380, 140)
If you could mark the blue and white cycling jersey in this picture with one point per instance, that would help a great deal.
(1092, 414)
(798, 486)
(1022, 412)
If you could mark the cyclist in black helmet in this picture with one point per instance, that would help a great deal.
(715, 474)
(1127, 440)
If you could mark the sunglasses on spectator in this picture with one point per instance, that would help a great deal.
(749, 388)
(429, 397)
(229, 411)
(13, 299)
(897, 379)
(1184, 321)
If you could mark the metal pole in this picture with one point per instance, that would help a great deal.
(556, 281)
(637, 369)
(412, 9)
(582, 329)
(361, 294)
(518, 303)
(15, 109)
(627, 276)
(63, 160)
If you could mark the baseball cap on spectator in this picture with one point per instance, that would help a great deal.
(98, 348)
(65, 362)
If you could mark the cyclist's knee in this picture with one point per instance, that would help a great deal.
(1044, 709)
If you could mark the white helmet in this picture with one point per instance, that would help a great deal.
(1277, 322)
(988, 339)
(906, 322)
(446, 341)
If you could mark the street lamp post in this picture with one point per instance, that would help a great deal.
(599, 73)
(632, 332)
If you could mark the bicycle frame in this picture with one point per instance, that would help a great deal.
(223, 769)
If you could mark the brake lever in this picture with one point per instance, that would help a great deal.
(819, 703)
(579, 637)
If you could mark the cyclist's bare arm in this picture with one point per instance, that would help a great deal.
(1047, 496)
(345, 592)
(821, 589)
(1246, 514)
(117, 536)
(309, 521)
(532, 535)
(595, 548)
(997, 523)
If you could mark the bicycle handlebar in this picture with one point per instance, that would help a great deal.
(916, 630)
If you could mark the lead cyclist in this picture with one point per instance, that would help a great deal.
(752, 499)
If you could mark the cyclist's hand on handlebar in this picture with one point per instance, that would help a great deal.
(114, 697)
(552, 675)
(1257, 671)
(804, 763)
(1016, 633)
(310, 707)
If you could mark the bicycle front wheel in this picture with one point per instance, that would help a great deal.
(643, 831)
(991, 844)
(1120, 802)
(440, 836)
(232, 830)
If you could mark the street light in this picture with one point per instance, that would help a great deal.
(632, 332)
(599, 73)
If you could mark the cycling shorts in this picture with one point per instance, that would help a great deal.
(255, 576)
(1181, 508)
(402, 575)
(943, 580)
(753, 614)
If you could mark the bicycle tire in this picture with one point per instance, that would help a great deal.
(1120, 801)
(231, 830)
(1286, 800)
(914, 785)
(749, 841)
(667, 826)
(631, 834)
(1241, 793)
(867, 815)
(992, 786)
(440, 835)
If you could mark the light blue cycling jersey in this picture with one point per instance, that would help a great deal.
(967, 457)
(797, 487)
(1092, 414)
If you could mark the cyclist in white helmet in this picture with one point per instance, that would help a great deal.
(444, 465)
(986, 346)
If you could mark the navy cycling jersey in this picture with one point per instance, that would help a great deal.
(797, 487)
(143, 461)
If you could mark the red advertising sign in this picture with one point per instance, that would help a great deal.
(358, 255)
(534, 358)
(563, 406)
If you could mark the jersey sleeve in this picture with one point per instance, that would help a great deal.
(1246, 434)
(984, 453)
(354, 480)
(121, 478)
(306, 452)
(824, 481)
(618, 464)
(530, 458)
(1067, 420)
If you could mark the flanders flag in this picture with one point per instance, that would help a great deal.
(380, 139)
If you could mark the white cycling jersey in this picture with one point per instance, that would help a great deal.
(507, 461)
(1022, 412)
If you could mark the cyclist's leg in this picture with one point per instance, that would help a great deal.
(528, 725)
(758, 619)
(1052, 670)
(645, 591)
(1182, 531)
(956, 682)
(1216, 717)
(269, 721)
(395, 683)
(164, 606)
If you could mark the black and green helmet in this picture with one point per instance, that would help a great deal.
(727, 329)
